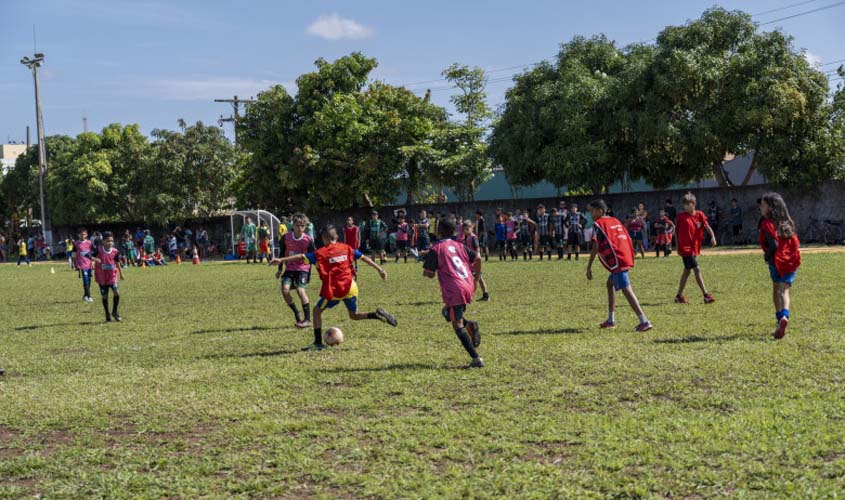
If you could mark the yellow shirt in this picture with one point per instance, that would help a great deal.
(69, 245)
(283, 229)
(22, 250)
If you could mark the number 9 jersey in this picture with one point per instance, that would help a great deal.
(452, 263)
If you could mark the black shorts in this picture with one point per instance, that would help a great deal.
(690, 262)
(454, 313)
(501, 244)
(559, 240)
(545, 241)
(423, 244)
(525, 241)
(377, 245)
(296, 279)
(401, 244)
(573, 238)
(737, 229)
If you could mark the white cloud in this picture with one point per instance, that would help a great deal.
(334, 27)
(813, 59)
(200, 89)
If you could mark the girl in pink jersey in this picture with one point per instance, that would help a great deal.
(454, 266)
(297, 273)
(106, 270)
(82, 249)
(403, 234)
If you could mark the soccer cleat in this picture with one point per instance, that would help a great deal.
(780, 331)
(474, 333)
(314, 347)
(116, 317)
(386, 317)
(680, 299)
(708, 299)
(485, 297)
(476, 363)
(607, 325)
(643, 327)
(108, 318)
(303, 324)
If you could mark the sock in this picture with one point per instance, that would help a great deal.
(406, 258)
(463, 336)
(306, 310)
(372, 315)
(87, 290)
(576, 255)
(611, 317)
(318, 336)
(778, 315)
(114, 306)
(785, 313)
(643, 319)
(560, 253)
(295, 311)
(106, 306)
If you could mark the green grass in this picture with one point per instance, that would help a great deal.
(202, 390)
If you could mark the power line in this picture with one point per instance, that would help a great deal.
(837, 4)
(787, 7)
(793, 16)
(832, 62)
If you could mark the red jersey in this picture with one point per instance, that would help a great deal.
(350, 236)
(105, 272)
(787, 256)
(336, 265)
(452, 263)
(615, 250)
(690, 232)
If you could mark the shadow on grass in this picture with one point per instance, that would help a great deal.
(545, 331)
(232, 330)
(390, 368)
(262, 354)
(417, 304)
(38, 327)
(693, 339)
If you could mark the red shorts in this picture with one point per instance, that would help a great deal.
(664, 239)
(263, 247)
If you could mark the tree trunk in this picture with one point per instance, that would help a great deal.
(751, 169)
(367, 201)
(720, 174)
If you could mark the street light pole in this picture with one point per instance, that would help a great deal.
(34, 64)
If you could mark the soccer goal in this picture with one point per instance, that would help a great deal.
(237, 221)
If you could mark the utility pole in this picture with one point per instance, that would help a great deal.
(236, 107)
(34, 64)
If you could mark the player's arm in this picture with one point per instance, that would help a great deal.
(430, 265)
(120, 273)
(290, 258)
(371, 263)
(771, 246)
(594, 248)
(474, 262)
(711, 233)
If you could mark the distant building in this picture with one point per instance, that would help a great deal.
(8, 154)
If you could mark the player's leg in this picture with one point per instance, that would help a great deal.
(321, 306)
(104, 293)
(86, 284)
(455, 316)
(708, 299)
(645, 324)
(782, 303)
(611, 305)
(306, 305)
(115, 302)
(379, 314)
(485, 294)
(679, 297)
(287, 281)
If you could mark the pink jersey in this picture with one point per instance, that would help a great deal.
(454, 272)
(402, 231)
(294, 246)
(510, 227)
(83, 250)
(106, 271)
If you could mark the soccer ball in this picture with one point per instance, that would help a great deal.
(334, 336)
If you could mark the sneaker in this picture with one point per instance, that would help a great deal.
(680, 299)
(607, 325)
(780, 331)
(476, 363)
(708, 299)
(643, 327)
(314, 347)
(485, 297)
(474, 333)
(302, 324)
(386, 317)
(88, 299)
(108, 318)
(116, 317)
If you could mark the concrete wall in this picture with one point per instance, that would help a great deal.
(825, 202)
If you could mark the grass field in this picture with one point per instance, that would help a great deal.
(202, 390)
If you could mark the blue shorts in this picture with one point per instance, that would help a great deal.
(620, 280)
(777, 278)
(350, 301)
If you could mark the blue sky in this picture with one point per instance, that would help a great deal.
(152, 62)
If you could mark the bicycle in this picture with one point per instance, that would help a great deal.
(825, 231)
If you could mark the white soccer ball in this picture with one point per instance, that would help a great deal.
(333, 336)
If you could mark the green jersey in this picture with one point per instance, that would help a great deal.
(149, 244)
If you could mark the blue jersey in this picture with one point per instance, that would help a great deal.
(501, 231)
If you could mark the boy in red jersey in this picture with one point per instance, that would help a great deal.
(690, 229)
(351, 234)
(615, 251)
(454, 266)
(781, 250)
(106, 270)
(334, 263)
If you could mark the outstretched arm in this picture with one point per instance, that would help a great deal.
(282, 260)
(369, 262)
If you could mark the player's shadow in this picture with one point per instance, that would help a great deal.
(694, 339)
(545, 331)
(261, 354)
(388, 368)
(38, 327)
(418, 304)
(231, 330)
